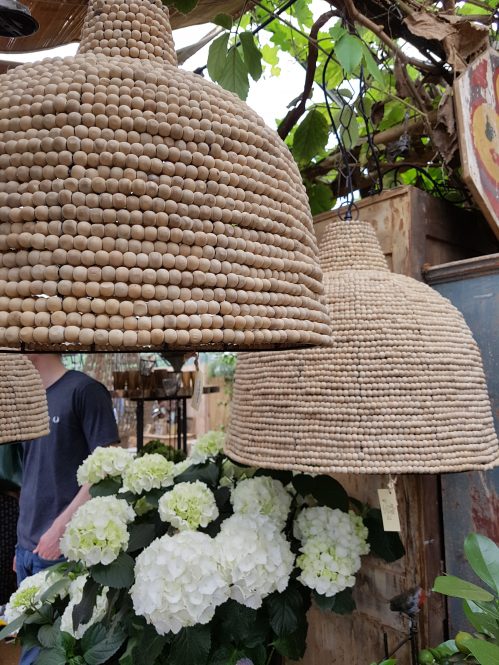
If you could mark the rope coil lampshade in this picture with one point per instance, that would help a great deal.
(401, 389)
(144, 207)
(23, 404)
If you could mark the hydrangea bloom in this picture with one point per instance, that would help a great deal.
(262, 495)
(97, 532)
(208, 445)
(334, 524)
(148, 472)
(178, 581)
(75, 596)
(103, 463)
(327, 565)
(332, 544)
(188, 506)
(256, 557)
(28, 594)
(361, 531)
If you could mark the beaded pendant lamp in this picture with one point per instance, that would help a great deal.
(401, 389)
(23, 405)
(143, 207)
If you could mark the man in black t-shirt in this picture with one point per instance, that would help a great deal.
(81, 418)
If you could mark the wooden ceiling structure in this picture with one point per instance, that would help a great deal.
(61, 21)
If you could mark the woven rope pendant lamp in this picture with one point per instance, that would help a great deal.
(144, 207)
(400, 390)
(23, 405)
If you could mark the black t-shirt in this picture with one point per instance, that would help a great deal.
(81, 418)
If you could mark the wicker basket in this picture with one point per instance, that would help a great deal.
(401, 390)
(23, 405)
(144, 207)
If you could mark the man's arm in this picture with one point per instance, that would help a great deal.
(49, 544)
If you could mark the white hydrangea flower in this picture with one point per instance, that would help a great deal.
(75, 596)
(361, 531)
(332, 544)
(97, 532)
(188, 506)
(324, 522)
(256, 557)
(327, 566)
(207, 446)
(28, 595)
(262, 495)
(103, 463)
(149, 472)
(178, 581)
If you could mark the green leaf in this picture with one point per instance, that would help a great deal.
(106, 487)
(185, 6)
(82, 612)
(348, 51)
(286, 610)
(384, 544)
(341, 603)
(100, 644)
(48, 635)
(55, 589)
(349, 128)
(320, 196)
(445, 649)
(191, 645)
(141, 535)
(240, 625)
(302, 12)
(483, 556)
(118, 574)
(208, 473)
(12, 627)
(458, 588)
(56, 656)
(224, 20)
(217, 56)
(326, 490)
(293, 646)
(43, 614)
(486, 622)
(251, 54)
(372, 65)
(311, 136)
(235, 74)
(270, 54)
(485, 652)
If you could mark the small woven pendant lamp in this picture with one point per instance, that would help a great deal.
(23, 405)
(401, 389)
(142, 206)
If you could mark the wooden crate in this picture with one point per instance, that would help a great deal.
(414, 229)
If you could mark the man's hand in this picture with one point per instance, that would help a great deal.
(49, 544)
(14, 564)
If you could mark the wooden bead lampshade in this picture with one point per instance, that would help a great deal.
(143, 207)
(23, 405)
(400, 390)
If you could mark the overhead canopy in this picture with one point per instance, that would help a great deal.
(61, 21)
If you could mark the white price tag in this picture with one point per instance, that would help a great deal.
(389, 508)
(197, 392)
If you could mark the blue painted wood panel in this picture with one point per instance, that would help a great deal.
(470, 501)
